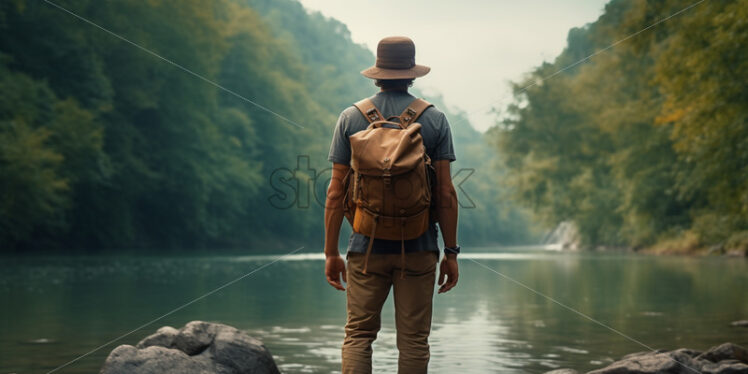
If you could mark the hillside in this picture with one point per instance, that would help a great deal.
(119, 137)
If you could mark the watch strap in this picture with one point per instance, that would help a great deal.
(453, 250)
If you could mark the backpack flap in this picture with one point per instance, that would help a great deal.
(384, 151)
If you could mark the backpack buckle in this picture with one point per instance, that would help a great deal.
(372, 114)
(409, 114)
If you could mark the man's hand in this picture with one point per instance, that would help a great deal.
(334, 267)
(449, 269)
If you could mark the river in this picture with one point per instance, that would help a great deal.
(499, 319)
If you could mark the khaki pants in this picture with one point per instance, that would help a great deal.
(366, 294)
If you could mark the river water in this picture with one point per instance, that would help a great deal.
(497, 320)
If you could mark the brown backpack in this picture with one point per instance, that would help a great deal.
(389, 187)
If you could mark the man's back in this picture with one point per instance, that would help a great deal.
(437, 138)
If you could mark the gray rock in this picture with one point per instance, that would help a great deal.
(164, 337)
(725, 367)
(128, 359)
(727, 358)
(231, 346)
(727, 351)
(196, 336)
(197, 348)
(562, 371)
(643, 353)
(654, 362)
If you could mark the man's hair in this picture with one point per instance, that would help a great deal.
(394, 83)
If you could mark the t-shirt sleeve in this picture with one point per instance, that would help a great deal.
(340, 148)
(444, 149)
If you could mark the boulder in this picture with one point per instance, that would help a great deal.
(197, 348)
(727, 358)
(727, 351)
(196, 336)
(154, 359)
(679, 361)
(725, 367)
(164, 337)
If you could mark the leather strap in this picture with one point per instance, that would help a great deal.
(371, 243)
(402, 248)
(370, 112)
(413, 111)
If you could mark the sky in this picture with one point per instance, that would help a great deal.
(474, 47)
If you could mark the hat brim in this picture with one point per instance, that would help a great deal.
(378, 73)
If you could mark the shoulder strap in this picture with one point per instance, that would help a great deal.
(413, 111)
(370, 112)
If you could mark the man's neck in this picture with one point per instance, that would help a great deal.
(395, 89)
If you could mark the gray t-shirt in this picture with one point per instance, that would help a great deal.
(437, 137)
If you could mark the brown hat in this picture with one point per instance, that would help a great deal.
(396, 59)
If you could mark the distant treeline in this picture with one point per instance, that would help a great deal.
(106, 146)
(646, 143)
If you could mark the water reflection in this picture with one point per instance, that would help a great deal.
(57, 308)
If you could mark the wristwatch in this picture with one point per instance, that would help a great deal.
(454, 250)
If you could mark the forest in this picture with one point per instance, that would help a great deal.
(644, 145)
(114, 134)
(168, 126)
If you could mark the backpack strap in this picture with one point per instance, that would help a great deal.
(413, 111)
(370, 112)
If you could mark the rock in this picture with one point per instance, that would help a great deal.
(231, 346)
(727, 358)
(643, 353)
(128, 359)
(197, 348)
(654, 362)
(725, 367)
(195, 337)
(727, 351)
(741, 323)
(164, 337)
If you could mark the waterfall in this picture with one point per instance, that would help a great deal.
(564, 237)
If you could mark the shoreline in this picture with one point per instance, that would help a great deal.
(727, 358)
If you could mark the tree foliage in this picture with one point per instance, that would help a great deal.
(127, 142)
(645, 141)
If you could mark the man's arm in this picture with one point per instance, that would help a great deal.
(334, 264)
(447, 208)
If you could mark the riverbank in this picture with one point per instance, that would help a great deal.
(726, 358)
(689, 244)
(566, 236)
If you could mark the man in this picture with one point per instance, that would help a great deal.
(413, 278)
